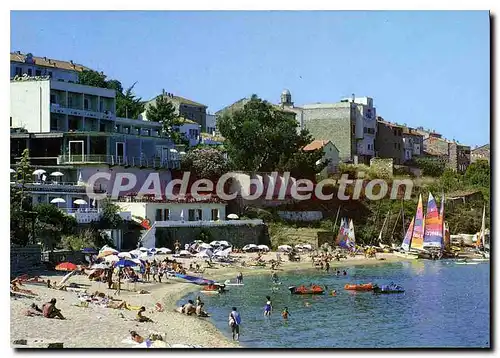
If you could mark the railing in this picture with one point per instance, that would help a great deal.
(119, 160)
(90, 113)
(207, 223)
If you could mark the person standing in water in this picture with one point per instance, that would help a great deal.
(239, 278)
(234, 323)
(274, 277)
(327, 266)
(285, 314)
(268, 308)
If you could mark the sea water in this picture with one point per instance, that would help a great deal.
(445, 305)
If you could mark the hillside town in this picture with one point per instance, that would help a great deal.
(154, 203)
(68, 131)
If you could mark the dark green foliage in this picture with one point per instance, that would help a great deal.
(262, 138)
(432, 167)
(163, 111)
(127, 104)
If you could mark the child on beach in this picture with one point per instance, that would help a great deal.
(268, 308)
(142, 318)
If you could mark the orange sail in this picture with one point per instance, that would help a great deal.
(417, 241)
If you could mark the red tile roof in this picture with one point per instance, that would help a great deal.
(316, 144)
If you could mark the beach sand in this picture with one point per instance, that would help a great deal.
(99, 327)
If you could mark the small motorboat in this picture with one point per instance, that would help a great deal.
(229, 283)
(359, 287)
(303, 290)
(214, 288)
(392, 288)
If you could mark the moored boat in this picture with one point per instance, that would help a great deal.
(359, 287)
(214, 288)
(386, 289)
(303, 290)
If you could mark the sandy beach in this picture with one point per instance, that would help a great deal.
(100, 327)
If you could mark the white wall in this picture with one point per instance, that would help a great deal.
(55, 73)
(211, 122)
(30, 105)
(184, 128)
(148, 210)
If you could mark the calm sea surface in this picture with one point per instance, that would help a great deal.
(445, 305)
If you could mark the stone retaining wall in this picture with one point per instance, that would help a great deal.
(24, 259)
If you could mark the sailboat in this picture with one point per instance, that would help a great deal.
(480, 243)
(346, 238)
(406, 245)
(413, 241)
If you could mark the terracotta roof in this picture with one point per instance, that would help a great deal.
(48, 62)
(181, 100)
(389, 123)
(316, 144)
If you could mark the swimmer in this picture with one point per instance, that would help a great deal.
(268, 308)
(333, 293)
(285, 313)
(307, 304)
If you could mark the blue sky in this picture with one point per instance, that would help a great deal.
(421, 68)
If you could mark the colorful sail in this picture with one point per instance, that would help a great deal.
(417, 239)
(433, 234)
(409, 233)
(351, 238)
(343, 236)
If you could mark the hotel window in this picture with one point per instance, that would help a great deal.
(30, 72)
(191, 215)
(353, 129)
(53, 98)
(50, 74)
(158, 215)
(86, 103)
(215, 214)
(19, 71)
(166, 214)
(38, 73)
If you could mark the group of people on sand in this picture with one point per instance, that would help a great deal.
(192, 309)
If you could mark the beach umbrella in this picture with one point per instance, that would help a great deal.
(66, 266)
(214, 243)
(12, 170)
(249, 247)
(284, 248)
(233, 216)
(66, 278)
(263, 247)
(57, 201)
(125, 263)
(39, 172)
(56, 174)
(111, 258)
(202, 254)
(101, 265)
(206, 246)
(80, 202)
(137, 261)
(164, 250)
(184, 253)
(224, 243)
(143, 249)
(89, 250)
(153, 249)
(135, 253)
(307, 246)
(108, 252)
(125, 254)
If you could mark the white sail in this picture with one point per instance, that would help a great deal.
(483, 226)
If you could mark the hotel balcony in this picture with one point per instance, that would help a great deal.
(86, 215)
(88, 113)
(117, 160)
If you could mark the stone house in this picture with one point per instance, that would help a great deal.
(480, 153)
(389, 141)
(330, 153)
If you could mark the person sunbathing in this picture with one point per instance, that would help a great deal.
(142, 318)
(50, 311)
(33, 310)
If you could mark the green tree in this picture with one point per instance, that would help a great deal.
(478, 174)
(109, 217)
(127, 104)
(163, 111)
(20, 202)
(92, 78)
(430, 166)
(262, 138)
(206, 163)
(52, 224)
